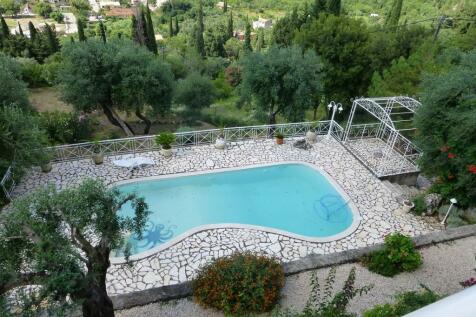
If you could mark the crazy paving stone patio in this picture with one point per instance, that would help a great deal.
(380, 213)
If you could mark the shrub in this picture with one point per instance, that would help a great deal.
(239, 284)
(420, 206)
(398, 255)
(165, 140)
(32, 73)
(321, 303)
(62, 127)
(405, 303)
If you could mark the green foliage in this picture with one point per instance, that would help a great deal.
(9, 7)
(195, 92)
(398, 255)
(420, 205)
(285, 28)
(12, 88)
(222, 87)
(233, 48)
(32, 73)
(149, 31)
(405, 303)
(215, 38)
(334, 6)
(321, 302)
(342, 43)
(64, 238)
(445, 122)
(247, 43)
(57, 16)
(239, 284)
(394, 14)
(43, 8)
(165, 140)
(66, 127)
(281, 81)
(21, 139)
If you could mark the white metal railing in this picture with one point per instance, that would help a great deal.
(8, 183)
(147, 143)
(395, 145)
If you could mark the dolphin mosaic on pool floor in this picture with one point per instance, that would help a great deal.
(380, 213)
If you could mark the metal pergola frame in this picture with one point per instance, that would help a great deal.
(382, 108)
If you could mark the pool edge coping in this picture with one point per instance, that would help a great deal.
(356, 215)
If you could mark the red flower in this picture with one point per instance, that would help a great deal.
(451, 155)
(444, 148)
(472, 169)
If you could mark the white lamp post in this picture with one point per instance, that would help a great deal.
(334, 106)
(452, 201)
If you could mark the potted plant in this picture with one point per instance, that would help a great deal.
(279, 138)
(220, 142)
(45, 161)
(98, 156)
(408, 205)
(311, 135)
(165, 140)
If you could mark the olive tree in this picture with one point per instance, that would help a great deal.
(60, 242)
(112, 76)
(281, 81)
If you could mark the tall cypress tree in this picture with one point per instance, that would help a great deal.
(260, 41)
(171, 28)
(177, 27)
(53, 42)
(199, 42)
(135, 35)
(102, 31)
(151, 43)
(247, 45)
(33, 31)
(4, 31)
(229, 27)
(225, 5)
(334, 6)
(81, 35)
(20, 30)
(320, 6)
(394, 14)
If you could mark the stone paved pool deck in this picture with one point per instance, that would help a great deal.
(380, 213)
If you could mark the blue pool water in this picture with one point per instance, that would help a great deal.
(290, 197)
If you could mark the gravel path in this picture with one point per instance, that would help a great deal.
(444, 266)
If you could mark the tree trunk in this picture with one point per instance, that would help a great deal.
(97, 303)
(114, 118)
(147, 122)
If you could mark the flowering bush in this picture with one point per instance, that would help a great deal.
(469, 282)
(239, 284)
(398, 255)
(446, 124)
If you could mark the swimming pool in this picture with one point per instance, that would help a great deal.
(293, 199)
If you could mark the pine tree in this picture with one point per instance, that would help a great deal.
(394, 14)
(225, 5)
(177, 28)
(247, 45)
(33, 31)
(81, 35)
(319, 7)
(53, 42)
(151, 42)
(334, 6)
(229, 27)
(102, 31)
(171, 28)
